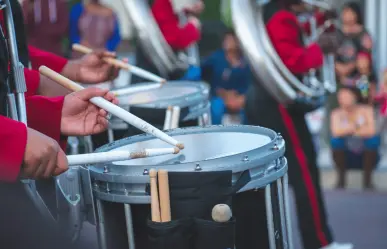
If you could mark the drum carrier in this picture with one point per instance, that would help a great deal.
(107, 194)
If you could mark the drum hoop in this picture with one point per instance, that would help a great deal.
(242, 161)
(190, 100)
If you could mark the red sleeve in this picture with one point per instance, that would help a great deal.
(285, 34)
(32, 81)
(176, 36)
(44, 115)
(42, 58)
(13, 141)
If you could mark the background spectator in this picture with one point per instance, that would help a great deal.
(363, 77)
(353, 130)
(353, 39)
(229, 76)
(47, 24)
(94, 25)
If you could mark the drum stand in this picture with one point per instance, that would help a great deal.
(279, 228)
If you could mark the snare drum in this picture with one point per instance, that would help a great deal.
(190, 100)
(120, 189)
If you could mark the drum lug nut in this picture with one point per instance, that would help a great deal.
(198, 168)
(246, 159)
(95, 185)
(279, 136)
(126, 192)
(105, 169)
(146, 172)
(275, 147)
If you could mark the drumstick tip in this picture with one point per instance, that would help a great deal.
(163, 81)
(180, 146)
(152, 173)
(176, 151)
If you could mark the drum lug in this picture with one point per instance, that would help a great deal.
(275, 147)
(197, 167)
(279, 136)
(146, 172)
(105, 169)
(246, 158)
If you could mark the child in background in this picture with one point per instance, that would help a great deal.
(364, 79)
(381, 98)
(229, 76)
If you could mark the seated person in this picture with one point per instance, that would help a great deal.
(381, 99)
(353, 130)
(229, 77)
(363, 77)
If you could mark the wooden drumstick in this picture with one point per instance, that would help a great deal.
(155, 206)
(120, 155)
(111, 108)
(165, 204)
(123, 65)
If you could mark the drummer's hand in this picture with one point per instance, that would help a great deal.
(195, 21)
(196, 8)
(80, 117)
(91, 68)
(43, 157)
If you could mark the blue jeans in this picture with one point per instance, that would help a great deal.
(218, 109)
(372, 143)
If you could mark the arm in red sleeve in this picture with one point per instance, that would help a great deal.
(42, 58)
(44, 115)
(181, 38)
(285, 34)
(13, 141)
(32, 81)
(177, 37)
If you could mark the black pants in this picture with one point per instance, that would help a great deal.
(249, 207)
(22, 226)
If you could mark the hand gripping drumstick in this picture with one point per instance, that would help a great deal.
(111, 108)
(114, 156)
(155, 206)
(165, 206)
(135, 70)
(221, 213)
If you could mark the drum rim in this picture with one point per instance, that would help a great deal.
(243, 161)
(193, 99)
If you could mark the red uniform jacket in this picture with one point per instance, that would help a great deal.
(41, 58)
(43, 114)
(177, 37)
(285, 34)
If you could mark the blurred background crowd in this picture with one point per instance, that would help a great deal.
(54, 25)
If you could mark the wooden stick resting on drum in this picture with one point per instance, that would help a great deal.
(155, 206)
(168, 116)
(111, 108)
(135, 89)
(175, 117)
(123, 65)
(165, 205)
(114, 156)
